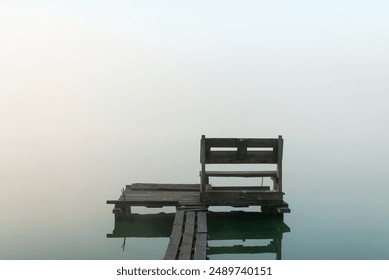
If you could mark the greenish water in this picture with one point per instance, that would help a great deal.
(55, 207)
(232, 235)
(240, 234)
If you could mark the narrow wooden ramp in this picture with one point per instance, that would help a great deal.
(188, 240)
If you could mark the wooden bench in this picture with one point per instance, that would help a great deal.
(241, 151)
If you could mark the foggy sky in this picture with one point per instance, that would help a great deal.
(95, 94)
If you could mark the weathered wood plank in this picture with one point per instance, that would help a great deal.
(147, 203)
(179, 218)
(241, 173)
(155, 198)
(241, 188)
(233, 142)
(201, 222)
(242, 198)
(163, 187)
(159, 193)
(200, 250)
(176, 236)
(187, 238)
(229, 157)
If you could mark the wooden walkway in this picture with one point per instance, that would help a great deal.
(188, 240)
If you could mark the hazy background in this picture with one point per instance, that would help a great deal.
(95, 95)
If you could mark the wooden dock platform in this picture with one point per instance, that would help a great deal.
(188, 195)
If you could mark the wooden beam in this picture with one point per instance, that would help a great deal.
(241, 173)
(175, 238)
(200, 248)
(231, 157)
(187, 238)
(233, 142)
(163, 187)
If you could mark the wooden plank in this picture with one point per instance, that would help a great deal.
(243, 198)
(233, 142)
(164, 187)
(200, 250)
(229, 157)
(146, 203)
(157, 204)
(161, 195)
(176, 236)
(201, 222)
(241, 188)
(241, 173)
(187, 238)
(275, 150)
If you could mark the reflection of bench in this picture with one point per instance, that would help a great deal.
(241, 151)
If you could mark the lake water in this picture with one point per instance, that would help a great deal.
(59, 216)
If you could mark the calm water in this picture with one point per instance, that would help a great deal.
(316, 229)
(55, 207)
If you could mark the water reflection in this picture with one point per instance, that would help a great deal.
(257, 233)
(245, 226)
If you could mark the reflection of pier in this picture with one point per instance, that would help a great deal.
(221, 226)
(244, 226)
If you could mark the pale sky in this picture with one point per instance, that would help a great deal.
(121, 91)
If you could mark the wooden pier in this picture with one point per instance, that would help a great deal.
(192, 200)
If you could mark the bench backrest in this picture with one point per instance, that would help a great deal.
(241, 150)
